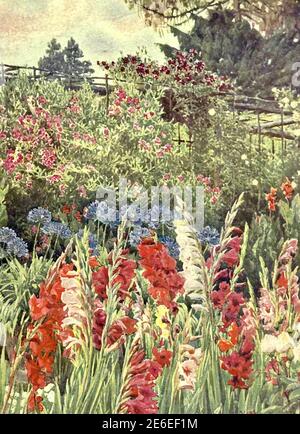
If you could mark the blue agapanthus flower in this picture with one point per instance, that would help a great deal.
(7, 234)
(136, 235)
(39, 216)
(101, 212)
(135, 214)
(12, 243)
(209, 236)
(17, 247)
(56, 228)
(171, 245)
(91, 210)
(160, 215)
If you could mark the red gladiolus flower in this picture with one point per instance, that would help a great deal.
(98, 324)
(35, 402)
(287, 189)
(119, 329)
(271, 199)
(218, 297)
(162, 357)
(160, 270)
(93, 262)
(100, 281)
(48, 307)
(123, 277)
(139, 386)
(239, 367)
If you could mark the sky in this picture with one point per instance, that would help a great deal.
(103, 28)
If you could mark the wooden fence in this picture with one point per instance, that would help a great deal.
(257, 108)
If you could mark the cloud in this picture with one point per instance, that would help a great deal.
(102, 28)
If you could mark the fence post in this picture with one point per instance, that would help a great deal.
(179, 134)
(282, 132)
(34, 73)
(259, 131)
(2, 74)
(107, 93)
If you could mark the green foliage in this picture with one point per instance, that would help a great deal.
(86, 156)
(3, 211)
(231, 47)
(265, 241)
(18, 283)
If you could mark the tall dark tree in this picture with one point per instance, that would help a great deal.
(234, 48)
(73, 63)
(53, 61)
(68, 61)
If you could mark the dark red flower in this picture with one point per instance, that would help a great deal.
(100, 281)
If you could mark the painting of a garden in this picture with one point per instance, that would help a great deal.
(150, 207)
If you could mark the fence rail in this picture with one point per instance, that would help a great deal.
(104, 85)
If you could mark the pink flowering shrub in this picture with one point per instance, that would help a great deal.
(57, 144)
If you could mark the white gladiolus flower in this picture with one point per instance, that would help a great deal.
(296, 352)
(268, 344)
(284, 342)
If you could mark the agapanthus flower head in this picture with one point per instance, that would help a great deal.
(171, 245)
(101, 212)
(56, 228)
(7, 235)
(39, 216)
(137, 234)
(134, 214)
(209, 236)
(14, 245)
(17, 247)
(160, 215)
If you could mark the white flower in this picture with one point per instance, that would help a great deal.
(244, 157)
(255, 182)
(2, 335)
(296, 327)
(211, 112)
(284, 342)
(296, 351)
(285, 100)
(268, 344)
